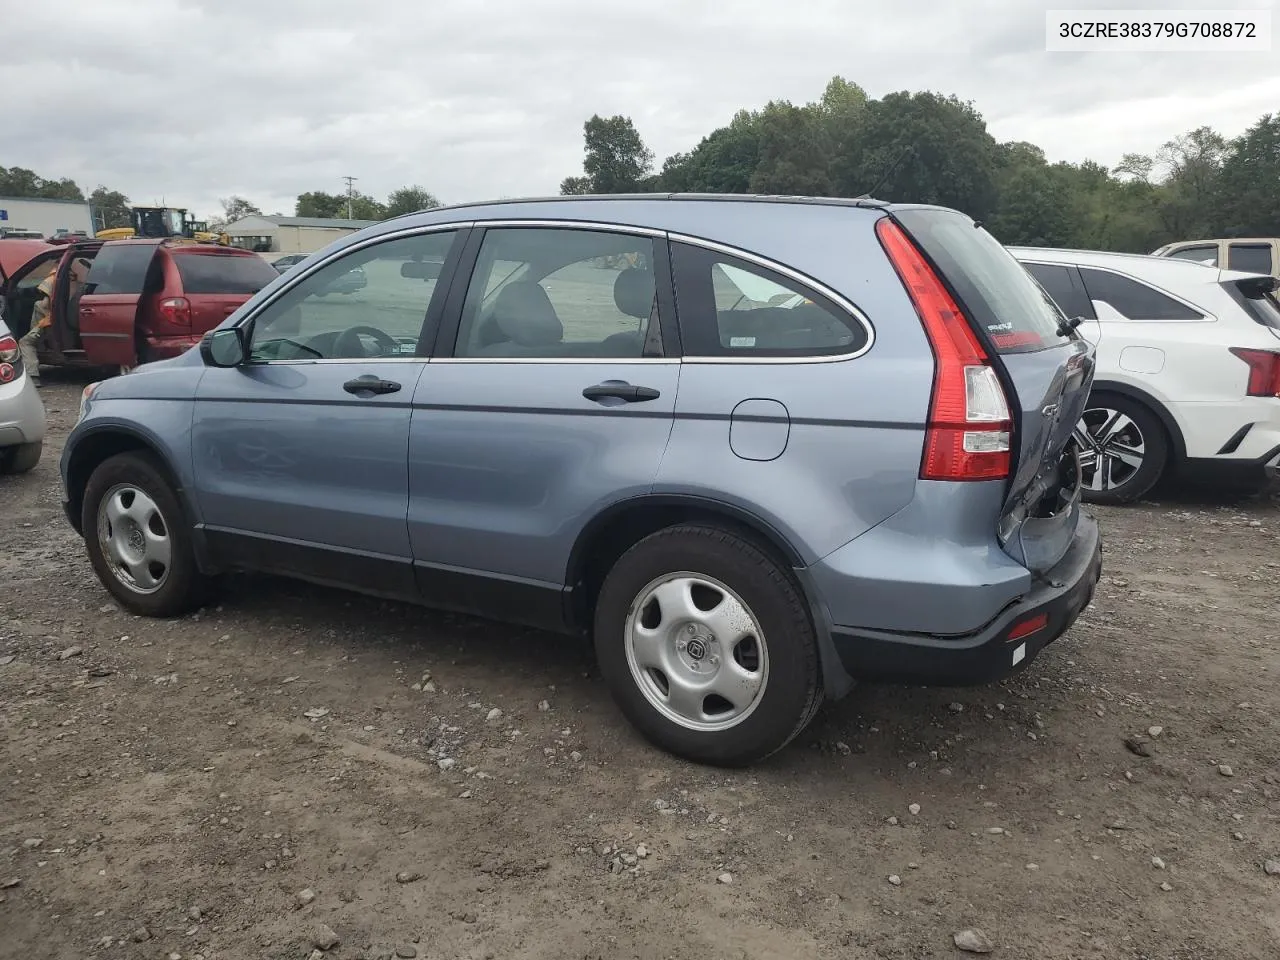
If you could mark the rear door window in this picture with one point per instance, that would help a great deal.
(1250, 257)
(222, 273)
(561, 293)
(730, 307)
(1134, 300)
(1207, 254)
(1065, 289)
(998, 293)
(120, 269)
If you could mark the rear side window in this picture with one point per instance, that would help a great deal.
(120, 268)
(222, 273)
(731, 307)
(1207, 255)
(993, 287)
(1134, 300)
(1058, 283)
(1249, 257)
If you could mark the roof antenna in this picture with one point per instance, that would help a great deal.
(884, 177)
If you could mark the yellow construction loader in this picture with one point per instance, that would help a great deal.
(164, 223)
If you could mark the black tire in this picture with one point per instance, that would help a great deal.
(792, 691)
(183, 588)
(21, 458)
(1135, 483)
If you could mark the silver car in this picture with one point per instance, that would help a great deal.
(22, 421)
(757, 448)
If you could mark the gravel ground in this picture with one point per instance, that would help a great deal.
(297, 769)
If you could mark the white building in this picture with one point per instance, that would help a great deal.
(283, 235)
(45, 217)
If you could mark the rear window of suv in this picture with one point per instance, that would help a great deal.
(994, 289)
(222, 273)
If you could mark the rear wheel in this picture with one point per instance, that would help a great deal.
(707, 646)
(1123, 449)
(137, 538)
(21, 458)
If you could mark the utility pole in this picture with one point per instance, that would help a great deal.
(350, 194)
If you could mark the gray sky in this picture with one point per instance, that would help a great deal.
(192, 100)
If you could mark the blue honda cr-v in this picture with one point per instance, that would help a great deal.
(758, 448)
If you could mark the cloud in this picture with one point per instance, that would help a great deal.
(192, 100)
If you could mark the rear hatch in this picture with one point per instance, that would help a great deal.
(215, 281)
(1046, 370)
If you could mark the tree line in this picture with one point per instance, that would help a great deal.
(111, 207)
(930, 148)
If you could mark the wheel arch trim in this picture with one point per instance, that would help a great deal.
(1157, 408)
(835, 679)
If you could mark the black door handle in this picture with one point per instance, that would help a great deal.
(620, 390)
(369, 385)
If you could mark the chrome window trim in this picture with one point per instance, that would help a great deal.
(542, 223)
(796, 277)
(320, 265)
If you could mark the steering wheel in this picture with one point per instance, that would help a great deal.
(349, 344)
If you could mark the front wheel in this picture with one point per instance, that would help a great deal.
(706, 643)
(1123, 449)
(137, 538)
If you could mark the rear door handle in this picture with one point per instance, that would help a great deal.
(620, 390)
(369, 385)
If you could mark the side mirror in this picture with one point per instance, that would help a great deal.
(421, 269)
(223, 348)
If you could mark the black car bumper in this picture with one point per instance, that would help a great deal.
(1233, 473)
(1005, 646)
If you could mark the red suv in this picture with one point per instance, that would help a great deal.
(142, 300)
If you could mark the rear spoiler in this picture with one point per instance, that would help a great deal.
(1256, 288)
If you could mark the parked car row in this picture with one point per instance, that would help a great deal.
(142, 300)
(1188, 369)
(1249, 255)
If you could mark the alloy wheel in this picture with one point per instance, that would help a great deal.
(1111, 446)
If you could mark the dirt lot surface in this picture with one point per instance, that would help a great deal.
(271, 773)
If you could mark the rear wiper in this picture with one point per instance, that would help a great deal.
(1068, 324)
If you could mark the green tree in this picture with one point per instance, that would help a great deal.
(575, 186)
(1192, 165)
(237, 208)
(409, 200)
(1034, 208)
(364, 207)
(321, 204)
(110, 208)
(330, 206)
(922, 147)
(1249, 182)
(1139, 166)
(723, 162)
(794, 151)
(21, 182)
(616, 161)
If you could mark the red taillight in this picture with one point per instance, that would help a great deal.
(967, 437)
(1026, 628)
(176, 310)
(8, 348)
(7, 372)
(1264, 371)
